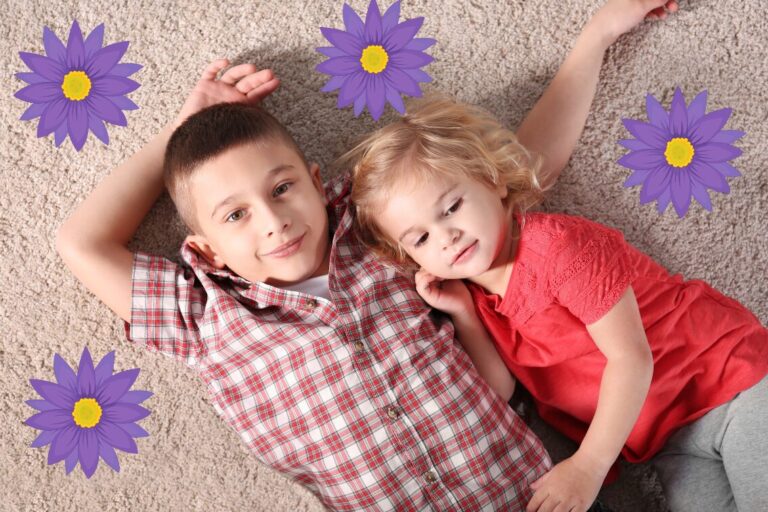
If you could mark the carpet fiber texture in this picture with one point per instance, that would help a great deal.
(500, 55)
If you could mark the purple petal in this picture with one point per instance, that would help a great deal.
(402, 34)
(339, 66)
(697, 107)
(420, 44)
(75, 48)
(136, 396)
(77, 125)
(96, 126)
(344, 41)
(123, 103)
(63, 444)
(94, 41)
(54, 48)
(116, 386)
(663, 201)
(125, 69)
(53, 117)
(31, 78)
(331, 51)
(376, 96)
(713, 152)
(134, 430)
(43, 66)
(643, 159)
(58, 395)
(34, 110)
(86, 379)
(681, 192)
(51, 420)
(41, 405)
(352, 22)
(71, 461)
(656, 183)
(104, 369)
(634, 144)
(651, 135)
(394, 99)
(45, 438)
(406, 59)
(40, 93)
(353, 86)
(402, 82)
(112, 85)
(709, 177)
(708, 126)
(656, 113)
(103, 108)
(418, 75)
(88, 451)
(121, 412)
(726, 169)
(727, 136)
(106, 58)
(117, 437)
(65, 375)
(373, 29)
(334, 83)
(60, 134)
(637, 178)
(701, 194)
(389, 20)
(107, 453)
(678, 118)
(360, 104)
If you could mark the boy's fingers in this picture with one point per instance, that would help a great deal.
(262, 91)
(235, 73)
(254, 80)
(672, 5)
(209, 73)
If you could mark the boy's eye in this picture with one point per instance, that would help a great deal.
(455, 206)
(232, 215)
(282, 189)
(422, 239)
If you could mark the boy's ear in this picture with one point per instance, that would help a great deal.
(201, 246)
(317, 180)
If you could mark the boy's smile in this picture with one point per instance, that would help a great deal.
(262, 213)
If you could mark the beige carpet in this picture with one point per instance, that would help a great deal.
(498, 54)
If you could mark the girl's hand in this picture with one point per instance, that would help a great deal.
(242, 83)
(450, 296)
(571, 485)
(617, 17)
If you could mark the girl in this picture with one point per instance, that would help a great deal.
(618, 354)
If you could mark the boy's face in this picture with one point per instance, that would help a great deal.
(453, 228)
(274, 228)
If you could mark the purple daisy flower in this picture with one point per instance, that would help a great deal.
(76, 88)
(374, 62)
(87, 415)
(680, 154)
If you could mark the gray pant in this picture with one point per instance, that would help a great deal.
(719, 463)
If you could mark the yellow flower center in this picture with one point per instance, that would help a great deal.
(374, 59)
(76, 85)
(87, 413)
(679, 152)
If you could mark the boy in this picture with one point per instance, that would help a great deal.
(327, 364)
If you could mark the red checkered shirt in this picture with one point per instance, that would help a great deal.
(365, 399)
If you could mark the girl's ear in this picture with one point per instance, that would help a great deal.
(317, 180)
(501, 189)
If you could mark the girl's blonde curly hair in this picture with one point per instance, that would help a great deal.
(438, 137)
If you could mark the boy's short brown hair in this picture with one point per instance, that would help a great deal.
(209, 133)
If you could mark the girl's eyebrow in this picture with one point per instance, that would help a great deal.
(438, 201)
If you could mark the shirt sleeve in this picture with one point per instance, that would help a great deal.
(590, 270)
(166, 308)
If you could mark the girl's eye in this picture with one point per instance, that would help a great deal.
(231, 215)
(455, 206)
(422, 240)
(282, 189)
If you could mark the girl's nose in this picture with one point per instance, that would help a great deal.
(451, 236)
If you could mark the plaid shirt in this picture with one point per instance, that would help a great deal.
(367, 400)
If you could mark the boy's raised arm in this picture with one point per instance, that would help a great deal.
(554, 124)
(92, 241)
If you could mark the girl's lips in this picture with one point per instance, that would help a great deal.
(288, 250)
(466, 254)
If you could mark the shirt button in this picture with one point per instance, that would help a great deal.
(393, 412)
(359, 346)
(430, 477)
(310, 304)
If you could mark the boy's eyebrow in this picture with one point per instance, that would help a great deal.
(233, 197)
(439, 199)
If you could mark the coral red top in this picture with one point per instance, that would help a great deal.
(568, 272)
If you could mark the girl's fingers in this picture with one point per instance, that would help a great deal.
(210, 72)
(254, 80)
(235, 73)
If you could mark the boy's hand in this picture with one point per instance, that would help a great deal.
(450, 296)
(570, 485)
(617, 17)
(243, 83)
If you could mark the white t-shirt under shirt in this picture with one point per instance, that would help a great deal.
(317, 286)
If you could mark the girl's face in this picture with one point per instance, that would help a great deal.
(454, 228)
